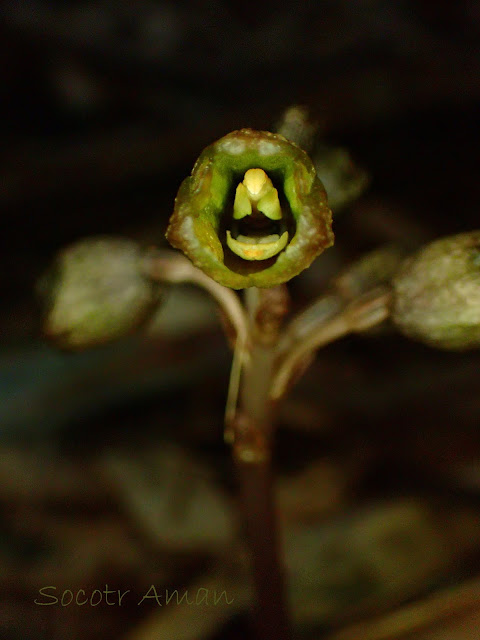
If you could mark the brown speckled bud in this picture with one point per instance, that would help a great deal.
(248, 228)
(437, 293)
(95, 292)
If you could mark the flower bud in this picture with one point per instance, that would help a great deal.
(95, 292)
(437, 293)
(253, 213)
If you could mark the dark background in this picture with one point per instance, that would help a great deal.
(104, 108)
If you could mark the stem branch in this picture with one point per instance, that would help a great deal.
(331, 323)
(173, 268)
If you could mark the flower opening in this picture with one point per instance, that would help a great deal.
(253, 212)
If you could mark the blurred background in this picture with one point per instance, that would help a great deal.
(113, 469)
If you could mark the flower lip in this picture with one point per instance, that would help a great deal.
(281, 194)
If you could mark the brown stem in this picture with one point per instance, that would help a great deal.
(253, 436)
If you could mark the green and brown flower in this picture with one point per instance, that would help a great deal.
(253, 212)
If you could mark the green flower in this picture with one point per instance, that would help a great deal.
(253, 213)
(436, 293)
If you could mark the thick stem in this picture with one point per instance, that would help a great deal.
(253, 436)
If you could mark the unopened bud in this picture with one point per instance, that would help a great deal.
(95, 292)
(437, 293)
